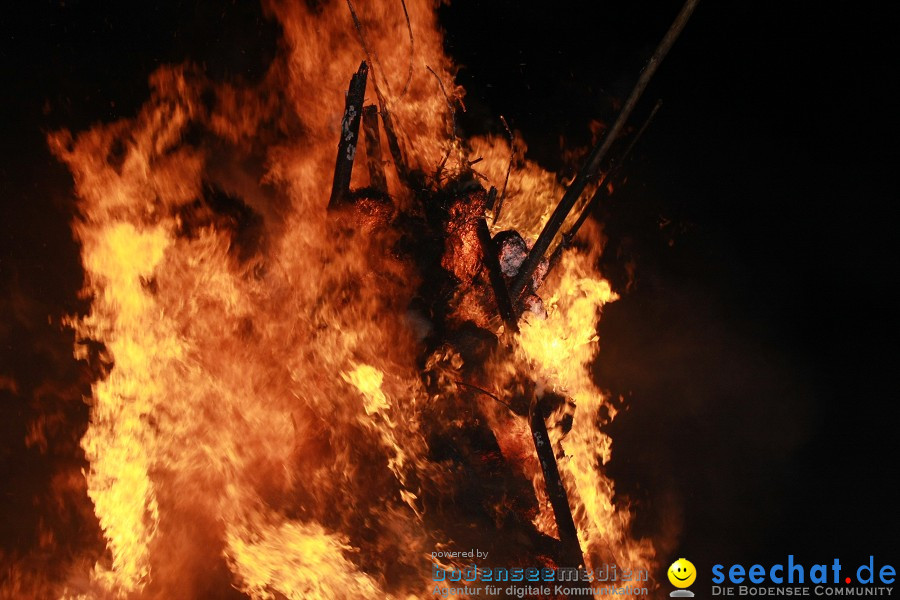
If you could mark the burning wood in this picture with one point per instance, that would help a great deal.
(507, 257)
(513, 251)
(495, 272)
(286, 415)
(598, 154)
(463, 256)
(353, 108)
(468, 250)
(568, 534)
(606, 182)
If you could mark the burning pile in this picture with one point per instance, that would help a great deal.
(307, 397)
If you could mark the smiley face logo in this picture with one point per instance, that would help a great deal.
(682, 573)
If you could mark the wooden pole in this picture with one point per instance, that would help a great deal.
(596, 157)
(568, 534)
(353, 106)
(601, 192)
(495, 273)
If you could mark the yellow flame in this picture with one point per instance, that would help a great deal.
(367, 379)
(561, 348)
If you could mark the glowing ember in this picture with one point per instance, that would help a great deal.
(268, 425)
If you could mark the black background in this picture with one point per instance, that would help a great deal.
(756, 346)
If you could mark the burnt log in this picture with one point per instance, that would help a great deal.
(559, 500)
(603, 190)
(353, 106)
(495, 273)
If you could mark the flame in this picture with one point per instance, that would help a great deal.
(268, 425)
(561, 348)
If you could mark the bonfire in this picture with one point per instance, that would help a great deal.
(342, 345)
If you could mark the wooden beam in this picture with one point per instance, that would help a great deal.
(568, 534)
(601, 192)
(353, 106)
(596, 157)
(495, 273)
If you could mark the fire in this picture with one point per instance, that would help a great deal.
(272, 420)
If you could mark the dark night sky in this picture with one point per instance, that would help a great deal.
(757, 347)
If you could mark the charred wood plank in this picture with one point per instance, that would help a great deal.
(377, 180)
(568, 534)
(597, 156)
(340, 187)
(495, 274)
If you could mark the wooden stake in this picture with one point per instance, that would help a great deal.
(601, 192)
(495, 273)
(353, 105)
(596, 157)
(559, 500)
